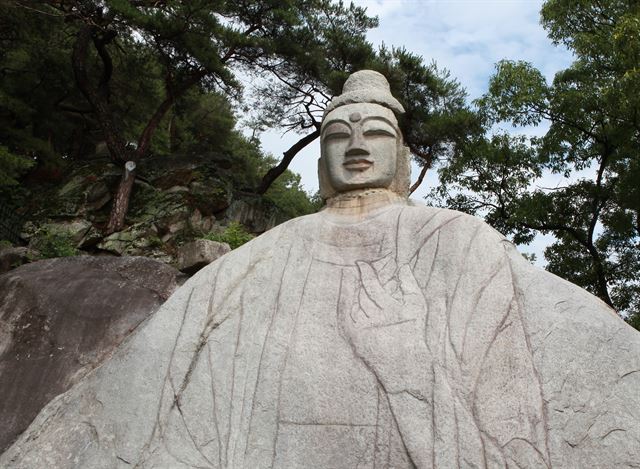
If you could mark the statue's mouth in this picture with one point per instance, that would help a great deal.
(357, 164)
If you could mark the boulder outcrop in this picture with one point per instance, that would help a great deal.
(195, 255)
(60, 318)
(376, 333)
(176, 199)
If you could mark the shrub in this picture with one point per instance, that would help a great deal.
(235, 235)
(51, 244)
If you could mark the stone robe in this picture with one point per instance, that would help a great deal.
(249, 366)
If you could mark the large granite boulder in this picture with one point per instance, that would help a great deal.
(195, 255)
(60, 318)
(14, 256)
(374, 334)
(305, 348)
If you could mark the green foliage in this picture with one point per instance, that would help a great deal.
(248, 161)
(438, 123)
(492, 180)
(634, 321)
(235, 235)
(11, 167)
(200, 122)
(159, 77)
(34, 78)
(515, 86)
(592, 109)
(51, 243)
(322, 44)
(287, 194)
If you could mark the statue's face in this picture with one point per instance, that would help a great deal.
(359, 143)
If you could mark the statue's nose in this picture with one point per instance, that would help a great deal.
(357, 145)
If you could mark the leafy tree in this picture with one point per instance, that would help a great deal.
(330, 45)
(592, 108)
(34, 76)
(437, 124)
(198, 123)
(11, 166)
(289, 196)
(134, 61)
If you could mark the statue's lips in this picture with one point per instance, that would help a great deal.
(359, 164)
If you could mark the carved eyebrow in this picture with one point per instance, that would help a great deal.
(335, 121)
(380, 118)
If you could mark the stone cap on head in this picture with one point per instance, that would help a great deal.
(366, 86)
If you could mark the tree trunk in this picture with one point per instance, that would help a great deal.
(601, 278)
(173, 140)
(116, 144)
(97, 96)
(121, 199)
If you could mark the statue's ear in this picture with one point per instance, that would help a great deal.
(326, 189)
(402, 180)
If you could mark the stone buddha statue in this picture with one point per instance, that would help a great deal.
(376, 333)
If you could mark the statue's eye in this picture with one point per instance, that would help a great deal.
(379, 132)
(375, 129)
(336, 131)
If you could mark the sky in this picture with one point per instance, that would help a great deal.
(466, 37)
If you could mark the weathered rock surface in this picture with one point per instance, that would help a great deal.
(265, 359)
(14, 256)
(195, 255)
(60, 318)
(254, 214)
(75, 229)
(131, 241)
(176, 199)
(374, 334)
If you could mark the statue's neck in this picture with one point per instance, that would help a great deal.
(361, 204)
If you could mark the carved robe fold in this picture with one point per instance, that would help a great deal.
(248, 366)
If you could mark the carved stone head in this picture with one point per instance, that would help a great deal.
(361, 143)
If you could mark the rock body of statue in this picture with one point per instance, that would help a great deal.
(374, 334)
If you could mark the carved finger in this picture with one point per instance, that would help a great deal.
(373, 288)
(346, 300)
(408, 283)
(385, 267)
(374, 314)
(415, 305)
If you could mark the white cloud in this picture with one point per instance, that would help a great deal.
(469, 37)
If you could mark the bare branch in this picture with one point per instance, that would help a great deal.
(421, 176)
(163, 108)
(287, 157)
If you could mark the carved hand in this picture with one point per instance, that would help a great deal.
(385, 324)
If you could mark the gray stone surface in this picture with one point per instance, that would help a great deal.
(14, 256)
(60, 318)
(253, 213)
(374, 334)
(366, 86)
(195, 255)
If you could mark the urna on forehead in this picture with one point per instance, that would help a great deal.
(360, 113)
